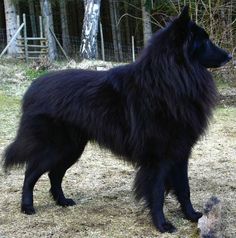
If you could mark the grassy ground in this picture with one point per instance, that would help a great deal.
(101, 185)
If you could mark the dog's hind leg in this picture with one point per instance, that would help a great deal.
(38, 165)
(56, 174)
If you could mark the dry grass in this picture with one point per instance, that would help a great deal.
(101, 186)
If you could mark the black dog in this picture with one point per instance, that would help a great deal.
(150, 113)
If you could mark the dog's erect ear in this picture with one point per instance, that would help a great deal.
(184, 15)
(180, 27)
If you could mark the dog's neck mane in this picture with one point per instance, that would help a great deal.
(174, 79)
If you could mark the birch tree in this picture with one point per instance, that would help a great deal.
(64, 26)
(46, 10)
(88, 47)
(147, 27)
(11, 25)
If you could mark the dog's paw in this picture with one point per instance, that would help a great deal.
(27, 209)
(66, 202)
(166, 227)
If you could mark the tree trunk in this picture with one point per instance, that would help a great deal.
(230, 20)
(119, 42)
(147, 27)
(64, 26)
(88, 47)
(31, 4)
(46, 10)
(127, 26)
(116, 34)
(113, 27)
(11, 25)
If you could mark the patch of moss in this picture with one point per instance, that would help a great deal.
(32, 74)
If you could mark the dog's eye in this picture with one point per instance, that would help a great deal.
(197, 43)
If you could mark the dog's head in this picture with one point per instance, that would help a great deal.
(199, 46)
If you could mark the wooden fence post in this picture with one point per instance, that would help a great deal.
(25, 39)
(133, 50)
(102, 42)
(41, 26)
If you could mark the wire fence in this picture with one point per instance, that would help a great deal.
(125, 53)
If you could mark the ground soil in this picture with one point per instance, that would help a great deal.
(101, 185)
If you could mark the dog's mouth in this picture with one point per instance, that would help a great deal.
(218, 65)
(227, 60)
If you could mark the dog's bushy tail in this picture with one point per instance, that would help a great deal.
(14, 155)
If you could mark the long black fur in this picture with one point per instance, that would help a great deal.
(150, 113)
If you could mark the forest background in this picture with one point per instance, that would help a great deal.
(119, 21)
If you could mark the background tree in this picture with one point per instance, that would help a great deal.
(31, 4)
(88, 48)
(147, 27)
(127, 24)
(11, 25)
(64, 26)
(46, 10)
(115, 26)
